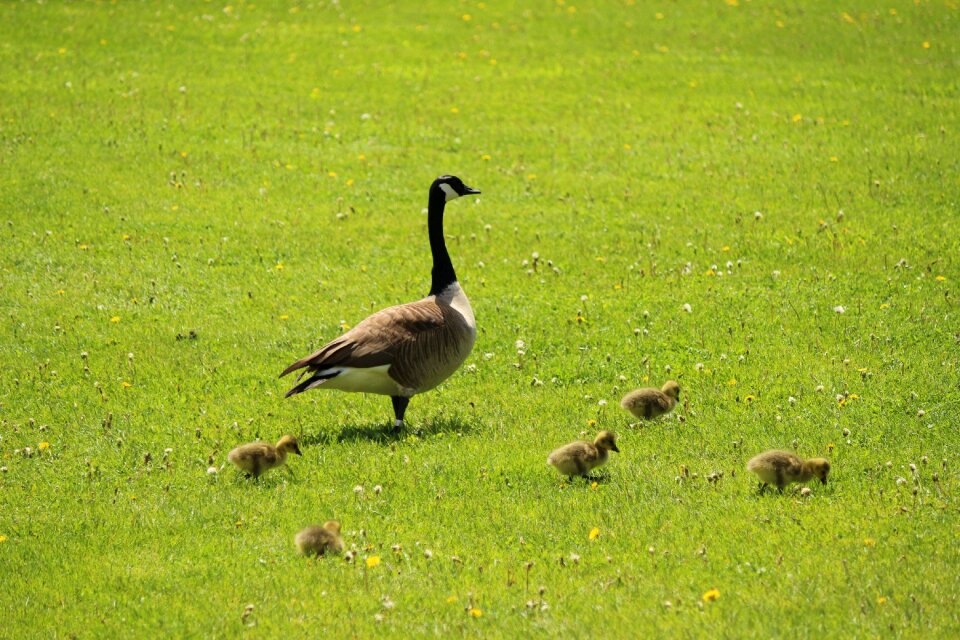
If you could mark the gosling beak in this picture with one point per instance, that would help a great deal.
(823, 480)
(297, 451)
(614, 448)
(470, 191)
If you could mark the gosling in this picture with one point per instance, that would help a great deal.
(650, 403)
(578, 458)
(257, 458)
(317, 541)
(780, 468)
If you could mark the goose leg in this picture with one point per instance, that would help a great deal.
(399, 408)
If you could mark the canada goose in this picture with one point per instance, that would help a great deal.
(256, 458)
(317, 540)
(650, 403)
(780, 468)
(410, 348)
(578, 458)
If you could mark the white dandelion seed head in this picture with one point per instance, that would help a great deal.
(377, 489)
(687, 307)
(358, 490)
(839, 309)
(211, 471)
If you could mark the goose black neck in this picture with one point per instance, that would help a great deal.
(443, 274)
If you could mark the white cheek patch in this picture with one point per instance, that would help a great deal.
(448, 190)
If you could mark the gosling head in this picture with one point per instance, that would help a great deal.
(289, 444)
(671, 389)
(332, 525)
(820, 468)
(606, 440)
(451, 188)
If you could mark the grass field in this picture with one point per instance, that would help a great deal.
(196, 194)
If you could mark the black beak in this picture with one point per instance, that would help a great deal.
(823, 480)
(297, 451)
(613, 447)
(470, 191)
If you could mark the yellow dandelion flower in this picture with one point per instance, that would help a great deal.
(451, 599)
(62, 50)
(881, 600)
(493, 61)
(357, 28)
(3, 538)
(349, 182)
(733, 3)
(571, 9)
(454, 110)
(848, 18)
(103, 41)
(870, 542)
(725, 248)
(709, 272)
(658, 16)
(284, 317)
(361, 157)
(591, 422)
(125, 384)
(43, 446)
(476, 613)
(467, 17)
(594, 485)
(830, 447)
(332, 174)
(884, 306)
(373, 561)
(711, 595)
(749, 398)
(174, 207)
(780, 24)
(732, 381)
(279, 266)
(797, 117)
(83, 247)
(926, 45)
(594, 533)
(60, 292)
(531, 176)
(940, 278)
(115, 319)
(344, 326)
(485, 157)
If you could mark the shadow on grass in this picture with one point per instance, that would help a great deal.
(384, 433)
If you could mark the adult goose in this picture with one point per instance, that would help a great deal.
(407, 349)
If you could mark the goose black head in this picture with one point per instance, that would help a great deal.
(452, 187)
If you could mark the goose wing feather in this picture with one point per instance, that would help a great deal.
(407, 337)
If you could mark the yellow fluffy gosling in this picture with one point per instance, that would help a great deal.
(259, 457)
(780, 468)
(578, 458)
(650, 403)
(317, 541)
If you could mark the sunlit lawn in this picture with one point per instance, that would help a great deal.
(757, 200)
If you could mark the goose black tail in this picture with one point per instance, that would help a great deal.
(315, 380)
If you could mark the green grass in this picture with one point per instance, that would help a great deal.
(161, 161)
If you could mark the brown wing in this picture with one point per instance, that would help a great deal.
(379, 339)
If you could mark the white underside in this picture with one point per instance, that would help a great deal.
(368, 380)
